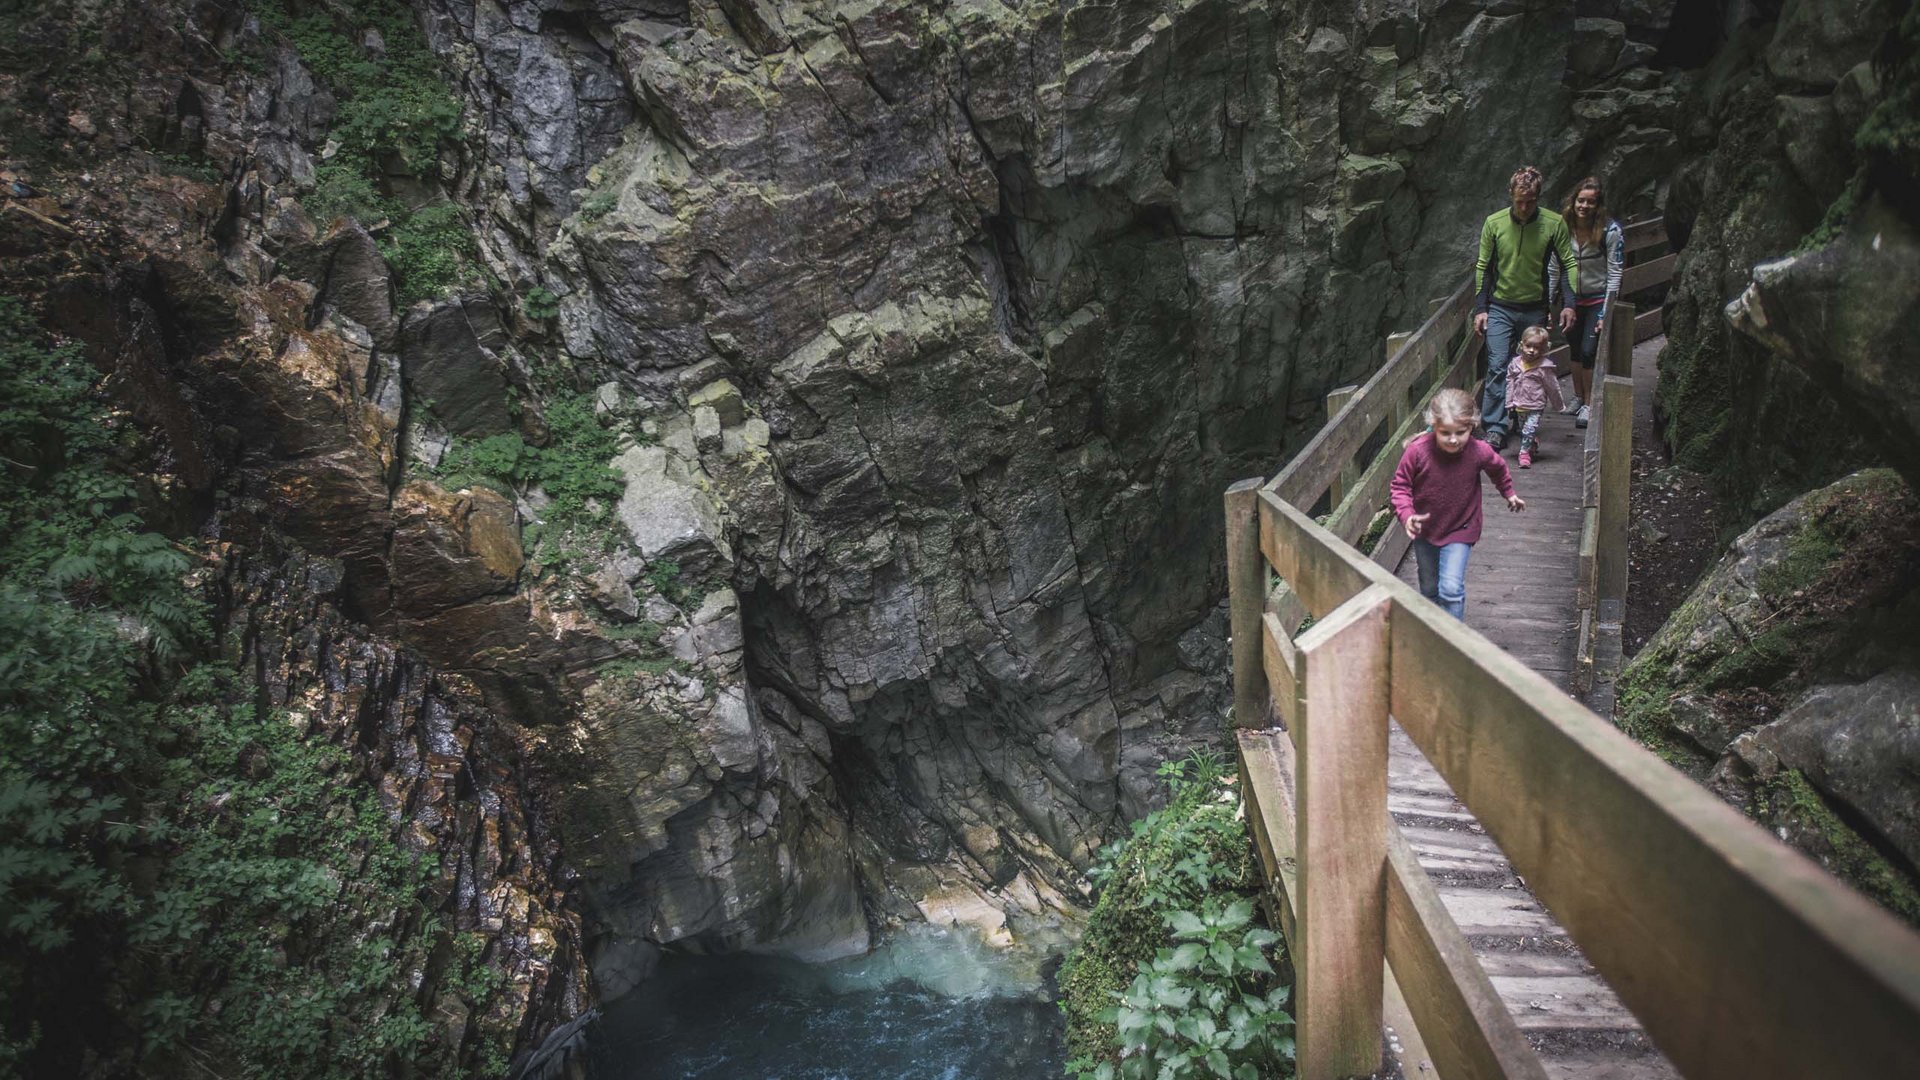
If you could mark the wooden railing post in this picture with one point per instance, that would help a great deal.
(1343, 481)
(1616, 468)
(1246, 600)
(1620, 344)
(1340, 733)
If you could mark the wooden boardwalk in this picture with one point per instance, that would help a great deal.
(1520, 594)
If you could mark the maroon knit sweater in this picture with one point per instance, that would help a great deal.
(1432, 481)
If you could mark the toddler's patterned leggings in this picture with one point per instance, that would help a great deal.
(1529, 427)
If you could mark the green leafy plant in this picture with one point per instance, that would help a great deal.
(540, 303)
(1202, 1008)
(599, 204)
(1184, 876)
(395, 113)
(192, 873)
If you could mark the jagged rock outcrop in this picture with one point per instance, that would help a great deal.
(452, 778)
(1788, 678)
(1771, 154)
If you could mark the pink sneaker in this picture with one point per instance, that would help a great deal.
(1526, 459)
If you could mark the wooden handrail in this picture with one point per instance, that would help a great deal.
(1740, 956)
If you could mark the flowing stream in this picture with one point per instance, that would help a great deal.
(930, 1004)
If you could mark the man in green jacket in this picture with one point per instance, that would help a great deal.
(1525, 254)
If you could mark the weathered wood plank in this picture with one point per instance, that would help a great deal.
(1266, 785)
(1619, 346)
(1467, 1027)
(1278, 660)
(1324, 572)
(1340, 829)
(1649, 324)
(1647, 274)
(1246, 599)
(1343, 479)
(1645, 234)
(1741, 956)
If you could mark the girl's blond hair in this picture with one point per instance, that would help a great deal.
(1533, 332)
(1453, 406)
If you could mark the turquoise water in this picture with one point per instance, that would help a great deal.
(929, 1005)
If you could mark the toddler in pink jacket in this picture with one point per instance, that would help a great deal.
(1532, 385)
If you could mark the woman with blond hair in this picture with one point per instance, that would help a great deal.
(1600, 250)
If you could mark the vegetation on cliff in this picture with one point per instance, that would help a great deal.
(1172, 977)
(395, 113)
(188, 883)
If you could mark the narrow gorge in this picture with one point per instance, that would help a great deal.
(700, 477)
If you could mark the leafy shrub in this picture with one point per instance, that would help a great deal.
(572, 468)
(540, 303)
(430, 250)
(184, 877)
(1184, 877)
(394, 115)
(599, 204)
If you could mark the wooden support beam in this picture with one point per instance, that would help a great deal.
(1466, 1026)
(1740, 955)
(1277, 658)
(1616, 479)
(1343, 480)
(1340, 831)
(1620, 341)
(1246, 600)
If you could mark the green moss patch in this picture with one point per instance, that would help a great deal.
(1788, 801)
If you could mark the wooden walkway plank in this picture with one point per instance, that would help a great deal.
(1520, 593)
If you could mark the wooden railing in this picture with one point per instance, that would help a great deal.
(1740, 956)
(1607, 460)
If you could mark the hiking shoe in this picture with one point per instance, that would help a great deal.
(1580, 418)
(1497, 440)
(1574, 405)
(1526, 459)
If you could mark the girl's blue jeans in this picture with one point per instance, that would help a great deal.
(1443, 574)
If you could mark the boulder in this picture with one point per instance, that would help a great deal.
(665, 510)
(353, 279)
(1597, 44)
(1859, 744)
(1816, 41)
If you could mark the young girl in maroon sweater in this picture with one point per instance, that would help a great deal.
(1436, 494)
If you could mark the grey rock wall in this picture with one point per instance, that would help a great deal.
(1007, 293)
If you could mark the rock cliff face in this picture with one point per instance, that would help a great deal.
(1780, 124)
(954, 319)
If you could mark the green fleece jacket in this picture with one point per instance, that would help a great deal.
(1519, 255)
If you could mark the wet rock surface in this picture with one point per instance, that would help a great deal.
(451, 776)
